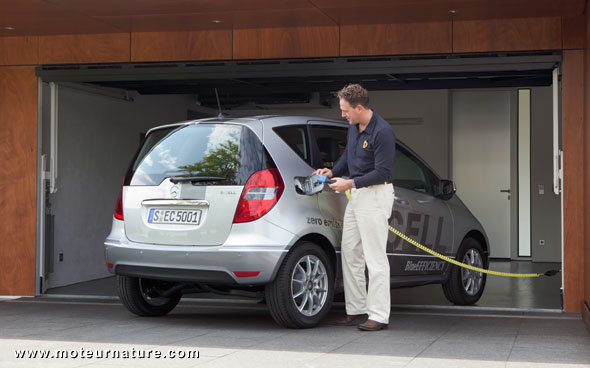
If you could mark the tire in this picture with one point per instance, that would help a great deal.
(465, 287)
(302, 292)
(134, 291)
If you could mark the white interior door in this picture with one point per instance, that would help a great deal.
(481, 161)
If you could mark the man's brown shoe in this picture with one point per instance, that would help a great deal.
(350, 320)
(371, 325)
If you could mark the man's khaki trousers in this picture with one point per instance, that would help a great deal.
(364, 241)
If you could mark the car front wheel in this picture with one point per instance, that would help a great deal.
(302, 292)
(140, 296)
(466, 286)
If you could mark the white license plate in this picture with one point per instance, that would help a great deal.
(181, 217)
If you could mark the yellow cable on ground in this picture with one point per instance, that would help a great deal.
(457, 263)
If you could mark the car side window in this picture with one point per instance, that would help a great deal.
(331, 143)
(296, 138)
(409, 173)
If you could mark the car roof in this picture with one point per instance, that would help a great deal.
(272, 120)
(281, 120)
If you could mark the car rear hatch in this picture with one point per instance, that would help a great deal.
(185, 183)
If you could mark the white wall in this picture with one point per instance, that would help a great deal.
(420, 120)
(545, 205)
(98, 136)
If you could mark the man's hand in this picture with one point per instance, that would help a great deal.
(324, 171)
(342, 185)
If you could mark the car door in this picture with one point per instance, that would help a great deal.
(420, 215)
(328, 142)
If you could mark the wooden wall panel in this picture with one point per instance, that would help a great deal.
(18, 154)
(507, 34)
(573, 32)
(573, 180)
(292, 42)
(190, 45)
(150, 7)
(80, 49)
(403, 38)
(394, 11)
(19, 50)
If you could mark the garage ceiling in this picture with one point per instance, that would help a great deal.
(267, 91)
(44, 17)
(302, 80)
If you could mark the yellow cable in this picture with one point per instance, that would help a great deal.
(457, 263)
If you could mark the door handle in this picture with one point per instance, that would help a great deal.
(424, 201)
(403, 202)
(504, 190)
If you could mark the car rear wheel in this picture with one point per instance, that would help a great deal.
(140, 296)
(302, 292)
(466, 286)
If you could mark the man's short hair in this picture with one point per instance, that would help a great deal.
(355, 95)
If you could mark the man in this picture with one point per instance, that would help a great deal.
(368, 161)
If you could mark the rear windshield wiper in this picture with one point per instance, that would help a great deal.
(193, 179)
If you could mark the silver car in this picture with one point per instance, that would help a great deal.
(219, 205)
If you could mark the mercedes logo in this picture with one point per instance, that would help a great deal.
(174, 191)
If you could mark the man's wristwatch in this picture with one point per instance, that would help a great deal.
(353, 184)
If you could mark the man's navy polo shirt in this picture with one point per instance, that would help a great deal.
(369, 155)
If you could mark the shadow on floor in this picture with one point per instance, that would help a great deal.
(500, 292)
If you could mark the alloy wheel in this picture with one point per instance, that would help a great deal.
(472, 280)
(309, 285)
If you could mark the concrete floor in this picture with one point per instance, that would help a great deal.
(244, 335)
(500, 292)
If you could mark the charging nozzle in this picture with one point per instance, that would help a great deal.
(310, 185)
(324, 179)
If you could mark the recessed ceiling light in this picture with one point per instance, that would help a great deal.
(216, 21)
(9, 28)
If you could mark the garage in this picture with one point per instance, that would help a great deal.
(485, 121)
(70, 73)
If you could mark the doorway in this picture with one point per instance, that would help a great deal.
(416, 99)
(481, 161)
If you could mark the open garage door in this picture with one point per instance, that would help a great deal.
(463, 114)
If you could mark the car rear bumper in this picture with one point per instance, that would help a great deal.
(228, 264)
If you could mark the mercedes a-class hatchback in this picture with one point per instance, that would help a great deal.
(219, 205)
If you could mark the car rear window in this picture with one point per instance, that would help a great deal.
(231, 152)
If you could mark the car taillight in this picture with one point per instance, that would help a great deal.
(119, 207)
(261, 192)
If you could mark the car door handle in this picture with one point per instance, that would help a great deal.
(424, 199)
(403, 202)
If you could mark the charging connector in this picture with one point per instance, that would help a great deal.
(325, 180)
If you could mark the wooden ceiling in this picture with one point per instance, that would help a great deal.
(45, 17)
